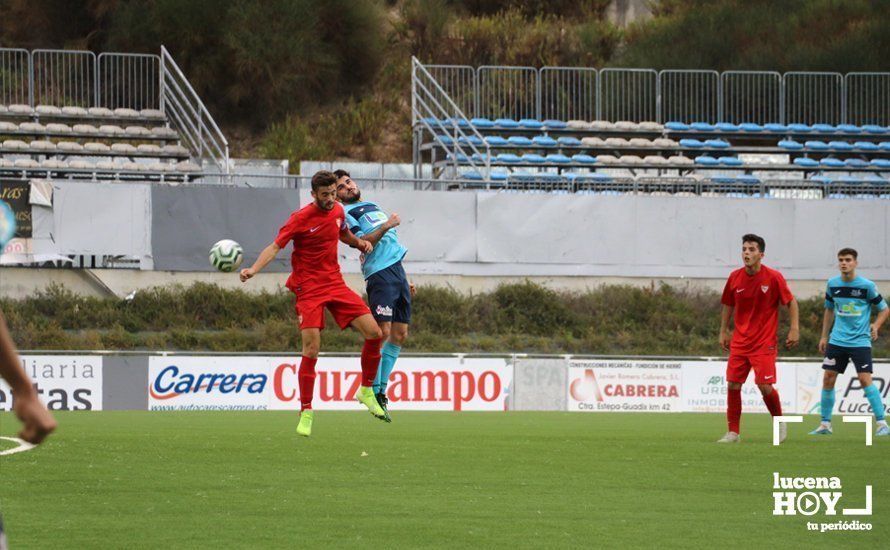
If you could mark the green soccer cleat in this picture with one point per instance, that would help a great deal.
(304, 428)
(365, 396)
(383, 402)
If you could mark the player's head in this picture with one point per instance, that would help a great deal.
(324, 189)
(753, 247)
(347, 190)
(847, 260)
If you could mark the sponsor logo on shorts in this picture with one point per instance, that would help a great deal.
(829, 362)
(384, 310)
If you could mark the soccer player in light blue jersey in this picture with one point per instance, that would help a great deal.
(849, 300)
(389, 292)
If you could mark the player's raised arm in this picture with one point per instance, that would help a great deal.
(267, 255)
(374, 236)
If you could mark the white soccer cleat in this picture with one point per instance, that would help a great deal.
(730, 437)
(823, 429)
(783, 432)
(883, 430)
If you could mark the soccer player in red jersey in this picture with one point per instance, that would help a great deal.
(317, 282)
(753, 295)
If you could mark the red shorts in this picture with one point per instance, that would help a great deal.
(344, 304)
(738, 367)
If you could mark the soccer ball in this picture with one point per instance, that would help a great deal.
(226, 255)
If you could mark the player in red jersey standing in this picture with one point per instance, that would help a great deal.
(754, 293)
(317, 282)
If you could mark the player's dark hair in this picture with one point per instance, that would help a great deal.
(848, 252)
(323, 178)
(752, 238)
(340, 173)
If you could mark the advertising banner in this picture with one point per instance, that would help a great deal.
(624, 386)
(260, 383)
(704, 388)
(63, 382)
(849, 397)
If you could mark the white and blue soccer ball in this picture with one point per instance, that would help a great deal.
(226, 255)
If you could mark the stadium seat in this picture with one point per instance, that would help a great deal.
(880, 163)
(824, 128)
(496, 141)
(723, 179)
(626, 125)
(431, 120)
(482, 123)
(499, 175)
(459, 122)
(655, 159)
(676, 126)
(849, 129)
(31, 127)
(832, 162)
(874, 129)
(775, 128)
(702, 127)
(651, 126)
(445, 140)
(639, 142)
(57, 128)
(558, 158)
(884, 146)
(815, 145)
(19, 109)
(800, 128)
(519, 141)
(601, 125)
(790, 145)
(822, 179)
(717, 144)
(750, 127)
(866, 146)
(460, 157)
(475, 157)
(616, 142)
(680, 160)
(506, 123)
(470, 140)
(664, 143)
(8, 126)
(748, 179)
(840, 145)
(97, 147)
(568, 141)
(14, 144)
(472, 175)
(531, 124)
(691, 143)
(856, 163)
(806, 162)
(578, 125)
(607, 159)
(508, 157)
(727, 127)
(706, 160)
(544, 141)
(533, 157)
(630, 159)
(593, 142)
(584, 159)
(730, 161)
(552, 124)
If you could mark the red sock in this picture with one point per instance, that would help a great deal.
(306, 377)
(370, 361)
(773, 403)
(734, 409)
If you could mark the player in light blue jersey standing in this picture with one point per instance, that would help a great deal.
(389, 292)
(848, 303)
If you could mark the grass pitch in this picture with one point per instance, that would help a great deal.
(449, 480)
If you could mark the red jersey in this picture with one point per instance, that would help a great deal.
(756, 300)
(315, 234)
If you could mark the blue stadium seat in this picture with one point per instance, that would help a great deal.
(824, 128)
(856, 163)
(790, 145)
(508, 157)
(727, 127)
(730, 161)
(531, 123)
(445, 140)
(499, 175)
(874, 129)
(506, 123)
(856, 180)
(748, 179)
(884, 146)
(478, 157)
(823, 179)
(431, 120)
(552, 124)
(676, 126)
(717, 143)
(706, 160)
(544, 141)
(472, 175)
(519, 141)
(693, 143)
(776, 128)
(585, 159)
(723, 179)
(461, 122)
(866, 146)
(874, 179)
(569, 141)
(475, 140)
(816, 145)
(832, 162)
(750, 127)
(840, 145)
(558, 158)
(496, 141)
(849, 128)
(482, 122)
(533, 157)
(702, 127)
(880, 163)
(597, 177)
(806, 162)
(800, 128)
(459, 156)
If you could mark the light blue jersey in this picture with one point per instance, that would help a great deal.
(363, 218)
(852, 302)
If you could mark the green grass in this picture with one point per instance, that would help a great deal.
(448, 480)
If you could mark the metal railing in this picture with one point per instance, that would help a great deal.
(64, 77)
(15, 77)
(131, 81)
(638, 95)
(186, 111)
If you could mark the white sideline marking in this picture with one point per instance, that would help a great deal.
(865, 420)
(778, 420)
(22, 446)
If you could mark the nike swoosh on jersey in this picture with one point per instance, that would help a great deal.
(314, 229)
(740, 290)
